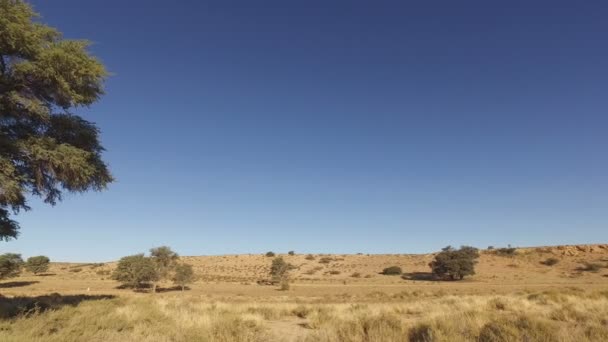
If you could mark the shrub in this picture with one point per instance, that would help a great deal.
(10, 265)
(284, 285)
(325, 260)
(37, 264)
(334, 272)
(135, 271)
(356, 275)
(76, 270)
(550, 262)
(393, 270)
(455, 264)
(291, 253)
(279, 269)
(508, 251)
(184, 274)
(590, 267)
(310, 257)
(270, 254)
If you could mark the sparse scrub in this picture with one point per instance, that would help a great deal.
(356, 275)
(325, 260)
(550, 261)
(291, 253)
(310, 257)
(270, 254)
(590, 267)
(393, 270)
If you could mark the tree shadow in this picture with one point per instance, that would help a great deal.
(147, 288)
(45, 274)
(17, 284)
(425, 276)
(26, 306)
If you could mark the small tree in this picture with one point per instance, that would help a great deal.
(279, 270)
(270, 254)
(135, 271)
(291, 253)
(10, 265)
(184, 275)
(37, 264)
(164, 260)
(455, 263)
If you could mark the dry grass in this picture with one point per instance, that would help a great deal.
(530, 302)
(546, 316)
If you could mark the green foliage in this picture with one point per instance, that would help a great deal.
(44, 149)
(135, 271)
(550, 262)
(270, 254)
(291, 253)
(506, 251)
(393, 270)
(37, 264)
(455, 264)
(10, 265)
(184, 275)
(165, 260)
(279, 269)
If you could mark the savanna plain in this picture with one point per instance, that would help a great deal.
(557, 293)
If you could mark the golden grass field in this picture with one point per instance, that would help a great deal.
(511, 298)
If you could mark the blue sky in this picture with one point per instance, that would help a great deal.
(337, 126)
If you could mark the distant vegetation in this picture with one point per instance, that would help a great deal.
(310, 257)
(10, 265)
(137, 271)
(37, 264)
(393, 270)
(270, 254)
(455, 264)
(506, 251)
(291, 253)
(550, 261)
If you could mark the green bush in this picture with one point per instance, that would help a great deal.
(455, 264)
(291, 253)
(37, 264)
(270, 254)
(393, 270)
(135, 271)
(10, 265)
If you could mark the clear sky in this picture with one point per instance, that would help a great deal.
(337, 126)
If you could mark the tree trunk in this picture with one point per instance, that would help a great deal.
(153, 287)
(183, 287)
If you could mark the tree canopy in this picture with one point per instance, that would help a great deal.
(37, 264)
(135, 270)
(45, 149)
(454, 263)
(10, 265)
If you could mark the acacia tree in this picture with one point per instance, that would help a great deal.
(10, 265)
(455, 264)
(45, 148)
(164, 260)
(135, 271)
(37, 264)
(184, 275)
